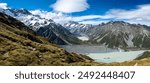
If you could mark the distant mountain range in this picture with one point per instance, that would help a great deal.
(112, 34)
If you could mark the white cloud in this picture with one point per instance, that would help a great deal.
(140, 15)
(94, 22)
(3, 6)
(70, 6)
(56, 17)
(62, 18)
(141, 12)
(87, 17)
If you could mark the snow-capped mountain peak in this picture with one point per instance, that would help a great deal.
(55, 32)
(77, 28)
(28, 18)
(112, 34)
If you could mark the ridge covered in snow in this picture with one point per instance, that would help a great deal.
(28, 18)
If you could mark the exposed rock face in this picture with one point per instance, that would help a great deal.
(114, 34)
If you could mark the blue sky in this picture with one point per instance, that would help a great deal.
(96, 6)
(102, 6)
(100, 10)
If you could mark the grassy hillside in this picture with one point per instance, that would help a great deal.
(19, 46)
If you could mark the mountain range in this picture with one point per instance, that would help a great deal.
(21, 46)
(55, 32)
(112, 34)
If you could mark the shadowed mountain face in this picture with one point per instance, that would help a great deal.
(115, 34)
(121, 34)
(58, 34)
(20, 46)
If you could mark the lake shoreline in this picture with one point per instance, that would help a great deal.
(102, 54)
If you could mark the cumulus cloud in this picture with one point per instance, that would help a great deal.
(70, 6)
(143, 11)
(139, 15)
(56, 17)
(3, 6)
(63, 18)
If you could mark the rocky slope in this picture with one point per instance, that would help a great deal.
(121, 34)
(77, 28)
(45, 27)
(114, 34)
(19, 46)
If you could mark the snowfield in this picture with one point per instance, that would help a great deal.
(83, 38)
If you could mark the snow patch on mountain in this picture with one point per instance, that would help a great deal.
(146, 32)
(27, 18)
(100, 38)
(83, 38)
(34, 21)
(129, 41)
(77, 28)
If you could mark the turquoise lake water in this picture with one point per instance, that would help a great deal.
(103, 54)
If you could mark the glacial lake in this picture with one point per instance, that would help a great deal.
(103, 54)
